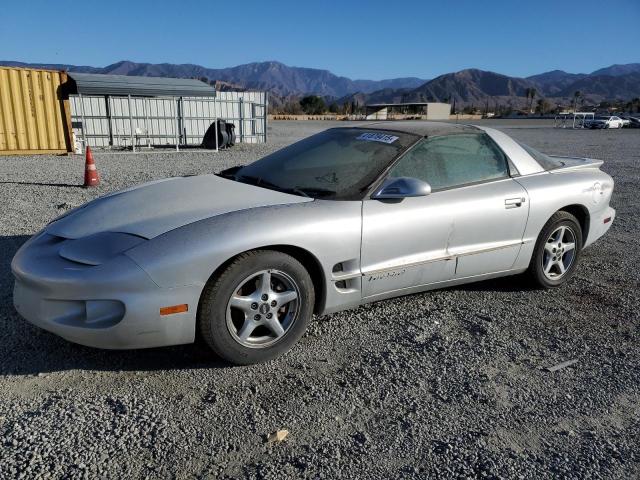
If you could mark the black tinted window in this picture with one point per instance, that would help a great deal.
(453, 160)
(336, 164)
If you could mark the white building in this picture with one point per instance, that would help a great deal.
(424, 110)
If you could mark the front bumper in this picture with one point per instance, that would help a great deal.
(115, 305)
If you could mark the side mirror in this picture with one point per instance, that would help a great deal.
(402, 187)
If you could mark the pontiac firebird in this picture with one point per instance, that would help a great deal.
(243, 258)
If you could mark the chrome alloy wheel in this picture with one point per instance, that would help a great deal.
(263, 307)
(559, 253)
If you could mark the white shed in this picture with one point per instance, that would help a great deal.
(425, 110)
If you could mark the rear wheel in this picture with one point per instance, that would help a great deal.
(557, 251)
(258, 308)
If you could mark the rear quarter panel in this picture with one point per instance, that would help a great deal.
(551, 191)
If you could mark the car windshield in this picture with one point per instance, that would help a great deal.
(545, 161)
(337, 164)
(600, 117)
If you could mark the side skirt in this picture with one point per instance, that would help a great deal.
(442, 284)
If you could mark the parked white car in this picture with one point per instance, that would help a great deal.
(605, 122)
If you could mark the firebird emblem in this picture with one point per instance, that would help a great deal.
(384, 275)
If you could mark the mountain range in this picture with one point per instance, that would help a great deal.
(477, 87)
(275, 77)
(470, 86)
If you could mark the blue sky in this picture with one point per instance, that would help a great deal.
(364, 39)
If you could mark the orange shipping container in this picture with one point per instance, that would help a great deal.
(34, 116)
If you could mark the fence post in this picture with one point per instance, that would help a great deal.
(266, 112)
(146, 121)
(253, 120)
(175, 115)
(241, 123)
(133, 143)
(84, 125)
(107, 104)
(181, 129)
(215, 118)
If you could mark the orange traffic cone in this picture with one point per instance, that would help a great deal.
(91, 176)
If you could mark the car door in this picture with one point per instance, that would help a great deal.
(472, 223)
(404, 244)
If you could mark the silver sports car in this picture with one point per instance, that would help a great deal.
(348, 216)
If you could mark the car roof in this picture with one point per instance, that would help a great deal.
(417, 127)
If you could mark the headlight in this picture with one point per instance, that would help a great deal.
(98, 248)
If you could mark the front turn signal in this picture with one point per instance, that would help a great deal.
(174, 309)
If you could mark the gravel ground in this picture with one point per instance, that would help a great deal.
(441, 384)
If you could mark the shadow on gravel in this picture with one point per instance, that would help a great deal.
(43, 184)
(44, 353)
(9, 245)
(28, 350)
(512, 283)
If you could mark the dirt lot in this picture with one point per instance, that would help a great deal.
(441, 384)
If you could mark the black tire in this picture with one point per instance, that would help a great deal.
(212, 311)
(209, 139)
(536, 270)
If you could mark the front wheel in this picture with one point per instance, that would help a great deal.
(258, 308)
(557, 251)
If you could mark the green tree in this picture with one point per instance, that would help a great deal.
(544, 106)
(530, 93)
(470, 110)
(313, 105)
(533, 93)
(577, 95)
(292, 107)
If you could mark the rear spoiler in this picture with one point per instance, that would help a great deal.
(576, 163)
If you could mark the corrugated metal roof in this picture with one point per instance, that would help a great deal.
(97, 84)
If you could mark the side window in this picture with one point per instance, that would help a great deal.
(453, 160)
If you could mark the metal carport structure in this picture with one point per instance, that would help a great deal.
(119, 111)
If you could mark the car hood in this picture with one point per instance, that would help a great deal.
(154, 208)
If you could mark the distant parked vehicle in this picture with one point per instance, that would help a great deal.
(626, 123)
(604, 122)
(634, 122)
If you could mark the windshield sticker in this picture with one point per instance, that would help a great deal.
(377, 137)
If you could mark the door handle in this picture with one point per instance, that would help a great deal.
(514, 202)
